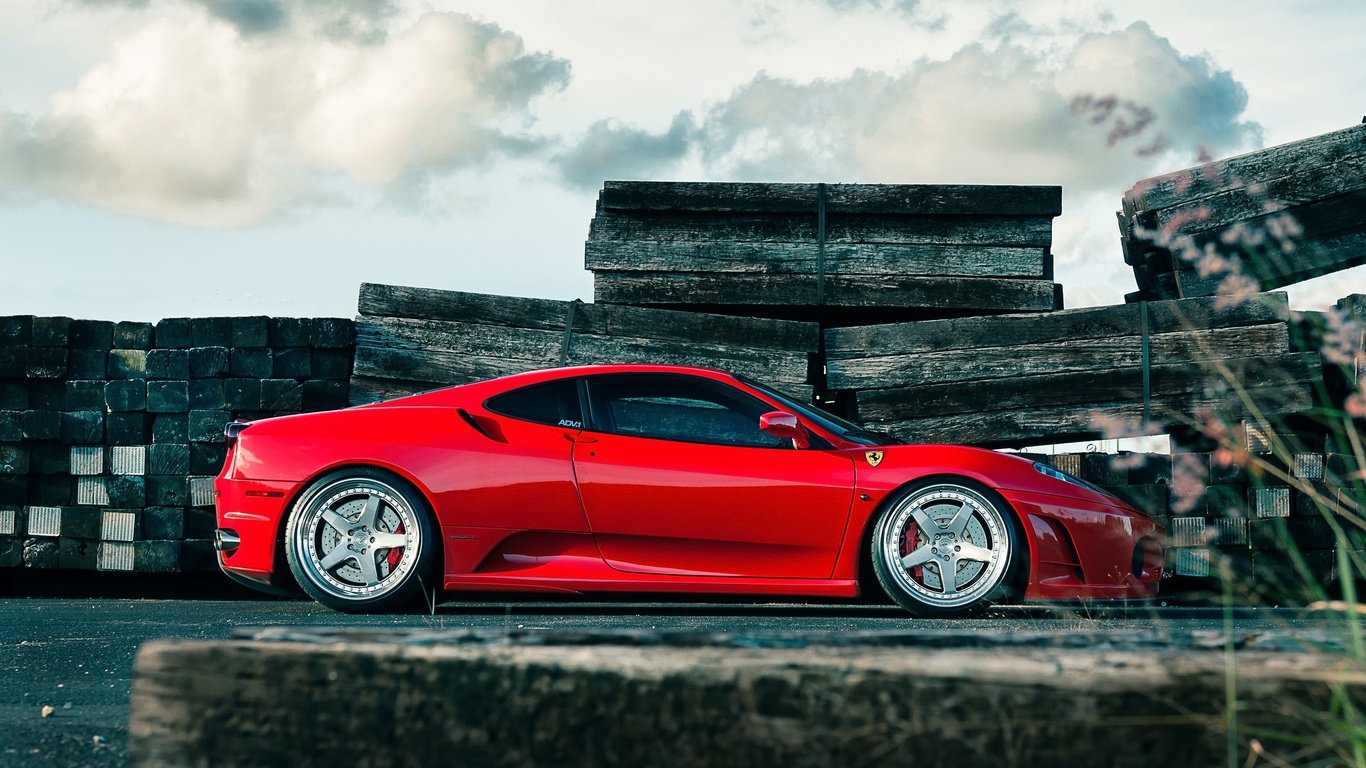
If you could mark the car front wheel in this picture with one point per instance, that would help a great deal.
(361, 542)
(946, 548)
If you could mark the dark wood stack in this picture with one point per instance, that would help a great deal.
(1241, 516)
(1282, 215)
(1354, 307)
(838, 253)
(1074, 374)
(111, 433)
(1352, 310)
(1336, 337)
(413, 339)
(1279, 536)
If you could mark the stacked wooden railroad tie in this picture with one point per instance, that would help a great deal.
(1073, 374)
(1218, 511)
(111, 433)
(851, 253)
(1337, 338)
(1273, 217)
(414, 339)
(1351, 311)
(1279, 532)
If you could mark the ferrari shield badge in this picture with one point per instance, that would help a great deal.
(874, 457)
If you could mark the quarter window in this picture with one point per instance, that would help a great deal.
(555, 403)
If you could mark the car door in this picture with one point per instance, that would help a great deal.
(676, 478)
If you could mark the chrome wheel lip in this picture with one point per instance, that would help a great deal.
(992, 524)
(312, 523)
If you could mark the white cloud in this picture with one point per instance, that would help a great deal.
(348, 19)
(610, 149)
(1002, 115)
(192, 121)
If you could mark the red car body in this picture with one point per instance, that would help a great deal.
(562, 508)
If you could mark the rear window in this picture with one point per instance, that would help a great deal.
(555, 403)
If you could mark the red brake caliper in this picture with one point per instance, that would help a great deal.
(908, 541)
(396, 553)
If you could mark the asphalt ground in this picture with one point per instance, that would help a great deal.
(76, 655)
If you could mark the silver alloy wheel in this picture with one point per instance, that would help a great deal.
(946, 545)
(357, 539)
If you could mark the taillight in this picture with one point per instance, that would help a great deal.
(233, 429)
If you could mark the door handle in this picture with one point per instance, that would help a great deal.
(580, 439)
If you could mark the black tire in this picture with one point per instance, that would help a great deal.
(951, 523)
(336, 537)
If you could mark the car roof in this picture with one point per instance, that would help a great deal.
(550, 374)
(489, 387)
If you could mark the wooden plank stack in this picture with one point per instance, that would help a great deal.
(1242, 517)
(1073, 374)
(1279, 537)
(111, 433)
(1352, 312)
(1273, 217)
(844, 253)
(413, 339)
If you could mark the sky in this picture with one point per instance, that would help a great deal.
(163, 158)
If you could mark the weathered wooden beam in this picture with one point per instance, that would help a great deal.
(1307, 186)
(944, 293)
(473, 339)
(922, 199)
(1064, 423)
(669, 325)
(1270, 269)
(803, 258)
(434, 366)
(1237, 172)
(1284, 215)
(688, 226)
(459, 363)
(1029, 700)
(377, 300)
(1081, 388)
(370, 389)
(782, 369)
(412, 339)
(1064, 325)
(1265, 235)
(964, 365)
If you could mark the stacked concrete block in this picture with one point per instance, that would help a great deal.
(111, 434)
(1277, 524)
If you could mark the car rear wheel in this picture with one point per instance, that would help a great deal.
(947, 548)
(360, 541)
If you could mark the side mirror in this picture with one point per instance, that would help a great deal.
(784, 424)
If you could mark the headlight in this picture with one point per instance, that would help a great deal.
(1058, 474)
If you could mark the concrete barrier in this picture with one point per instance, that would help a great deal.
(636, 699)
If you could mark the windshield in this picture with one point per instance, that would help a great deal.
(828, 421)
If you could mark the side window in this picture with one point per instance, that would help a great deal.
(555, 403)
(674, 407)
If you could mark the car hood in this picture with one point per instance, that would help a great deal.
(1005, 471)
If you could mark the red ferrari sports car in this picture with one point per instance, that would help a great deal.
(658, 479)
